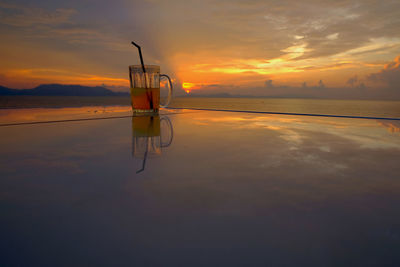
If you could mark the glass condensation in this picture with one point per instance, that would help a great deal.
(150, 79)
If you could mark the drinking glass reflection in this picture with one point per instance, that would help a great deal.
(149, 135)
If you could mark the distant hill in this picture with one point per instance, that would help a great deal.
(62, 90)
(6, 91)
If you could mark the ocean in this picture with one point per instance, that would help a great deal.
(364, 108)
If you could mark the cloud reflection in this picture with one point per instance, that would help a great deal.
(293, 129)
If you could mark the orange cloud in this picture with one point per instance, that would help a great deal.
(19, 78)
(389, 75)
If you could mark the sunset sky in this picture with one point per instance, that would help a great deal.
(295, 48)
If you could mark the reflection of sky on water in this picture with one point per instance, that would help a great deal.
(392, 126)
(48, 114)
(366, 132)
(265, 190)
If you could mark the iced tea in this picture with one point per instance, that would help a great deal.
(145, 100)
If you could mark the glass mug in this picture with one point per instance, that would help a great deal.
(145, 89)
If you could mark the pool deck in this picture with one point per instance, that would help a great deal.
(197, 188)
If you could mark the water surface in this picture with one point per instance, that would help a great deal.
(231, 189)
(365, 108)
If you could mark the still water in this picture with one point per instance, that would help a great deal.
(365, 108)
(198, 188)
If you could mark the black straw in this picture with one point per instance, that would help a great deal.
(149, 93)
(140, 55)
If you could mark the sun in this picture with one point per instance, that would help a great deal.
(187, 85)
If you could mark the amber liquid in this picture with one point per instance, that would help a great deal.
(145, 100)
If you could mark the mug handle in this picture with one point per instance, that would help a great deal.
(171, 130)
(169, 92)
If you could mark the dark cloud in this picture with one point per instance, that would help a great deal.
(352, 81)
(327, 27)
(321, 84)
(269, 84)
(357, 83)
(358, 91)
(23, 16)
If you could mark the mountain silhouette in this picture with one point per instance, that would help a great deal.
(62, 90)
